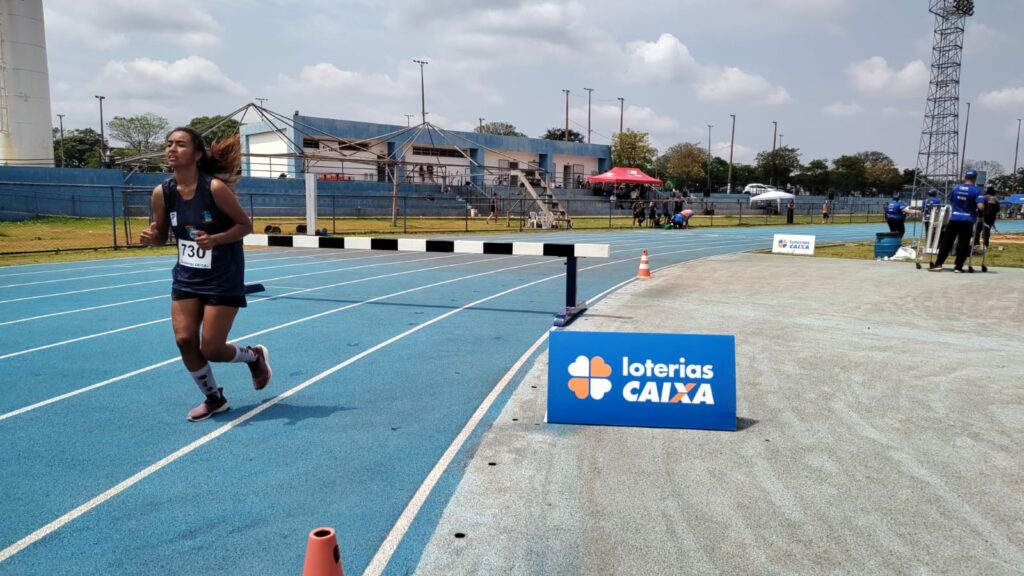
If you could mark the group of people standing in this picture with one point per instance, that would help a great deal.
(972, 215)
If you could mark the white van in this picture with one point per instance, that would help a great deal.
(756, 189)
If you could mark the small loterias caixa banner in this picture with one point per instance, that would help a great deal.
(653, 380)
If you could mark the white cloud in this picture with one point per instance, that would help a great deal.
(665, 59)
(875, 76)
(735, 85)
(325, 78)
(1004, 98)
(110, 24)
(161, 80)
(810, 7)
(842, 109)
(669, 60)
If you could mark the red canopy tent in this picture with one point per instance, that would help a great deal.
(619, 175)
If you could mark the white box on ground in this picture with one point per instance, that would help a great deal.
(793, 244)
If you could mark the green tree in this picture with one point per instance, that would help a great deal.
(141, 133)
(1009, 183)
(683, 163)
(814, 176)
(849, 173)
(559, 134)
(881, 174)
(778, 165)
(81, 148)
(214, 128)
(743, 174)
(633, 149)
(498, 129)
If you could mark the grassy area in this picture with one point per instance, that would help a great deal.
(55, 239)
(1007, 253)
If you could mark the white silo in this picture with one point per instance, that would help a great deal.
(26, 129)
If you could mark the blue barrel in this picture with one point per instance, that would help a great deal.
(886, 244)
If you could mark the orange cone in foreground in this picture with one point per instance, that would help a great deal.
(322, 555)
(644, 272)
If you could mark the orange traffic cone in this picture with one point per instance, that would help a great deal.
(322, 555)
(644, 273)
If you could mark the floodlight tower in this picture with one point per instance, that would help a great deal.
(937, 158)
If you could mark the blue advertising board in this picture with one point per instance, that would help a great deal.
(656, 380)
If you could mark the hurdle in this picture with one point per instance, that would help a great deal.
(571, 252)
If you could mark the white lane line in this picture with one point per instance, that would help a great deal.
(109, 381)
(77, 310)
(134, 479)
(168, 319)
(84, 290)
(419, 498)
(164, 363)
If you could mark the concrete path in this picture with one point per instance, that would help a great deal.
(881, 432)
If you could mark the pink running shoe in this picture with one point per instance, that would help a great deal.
(213, 404)
(260, 367)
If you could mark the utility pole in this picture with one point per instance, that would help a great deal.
(775, 136)
(732, 144)
(708, 193)
(963, 152)
(590, 94)
(103, 139)
(262, 101)
(481, 125)
(1016, 149)
(566, 115)
(61, 119)
(408, 119)
(423, 92)
(621, 108)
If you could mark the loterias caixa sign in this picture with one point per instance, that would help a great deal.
(656, 380)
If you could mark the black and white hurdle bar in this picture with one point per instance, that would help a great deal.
(571, 253)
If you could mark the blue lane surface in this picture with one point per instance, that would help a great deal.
(349, 450)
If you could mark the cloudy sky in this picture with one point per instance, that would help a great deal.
(839, 76)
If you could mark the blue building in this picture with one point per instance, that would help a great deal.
(350, 151)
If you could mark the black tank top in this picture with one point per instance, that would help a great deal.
(221, 272)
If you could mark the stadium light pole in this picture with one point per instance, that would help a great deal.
(621, 108)
(775, 136)
(732, 144)
(1016, 149)
(967, 126)
(481, 124)
(566, 115)
(708, 193)
(60, 118)
(408, 119)
(590, 94)
(262, 101)
(103, 138)
(423, 92)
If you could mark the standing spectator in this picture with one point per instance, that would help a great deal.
(494, 209)
(652, 214)
(678, 203)
(989, 211)
(790, 211)
(638, 213)
(964, 206)
(824, 212)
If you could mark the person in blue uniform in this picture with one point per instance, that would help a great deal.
(930, 202)
(208, 284)
(896, 215)
(964, 207)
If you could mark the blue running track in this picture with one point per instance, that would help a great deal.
(380, 359)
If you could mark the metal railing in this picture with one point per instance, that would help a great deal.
(57, 217)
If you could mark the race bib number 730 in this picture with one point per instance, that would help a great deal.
(192, 256)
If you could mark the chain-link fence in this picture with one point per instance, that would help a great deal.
(38, 217)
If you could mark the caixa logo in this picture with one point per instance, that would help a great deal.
(676, 383)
